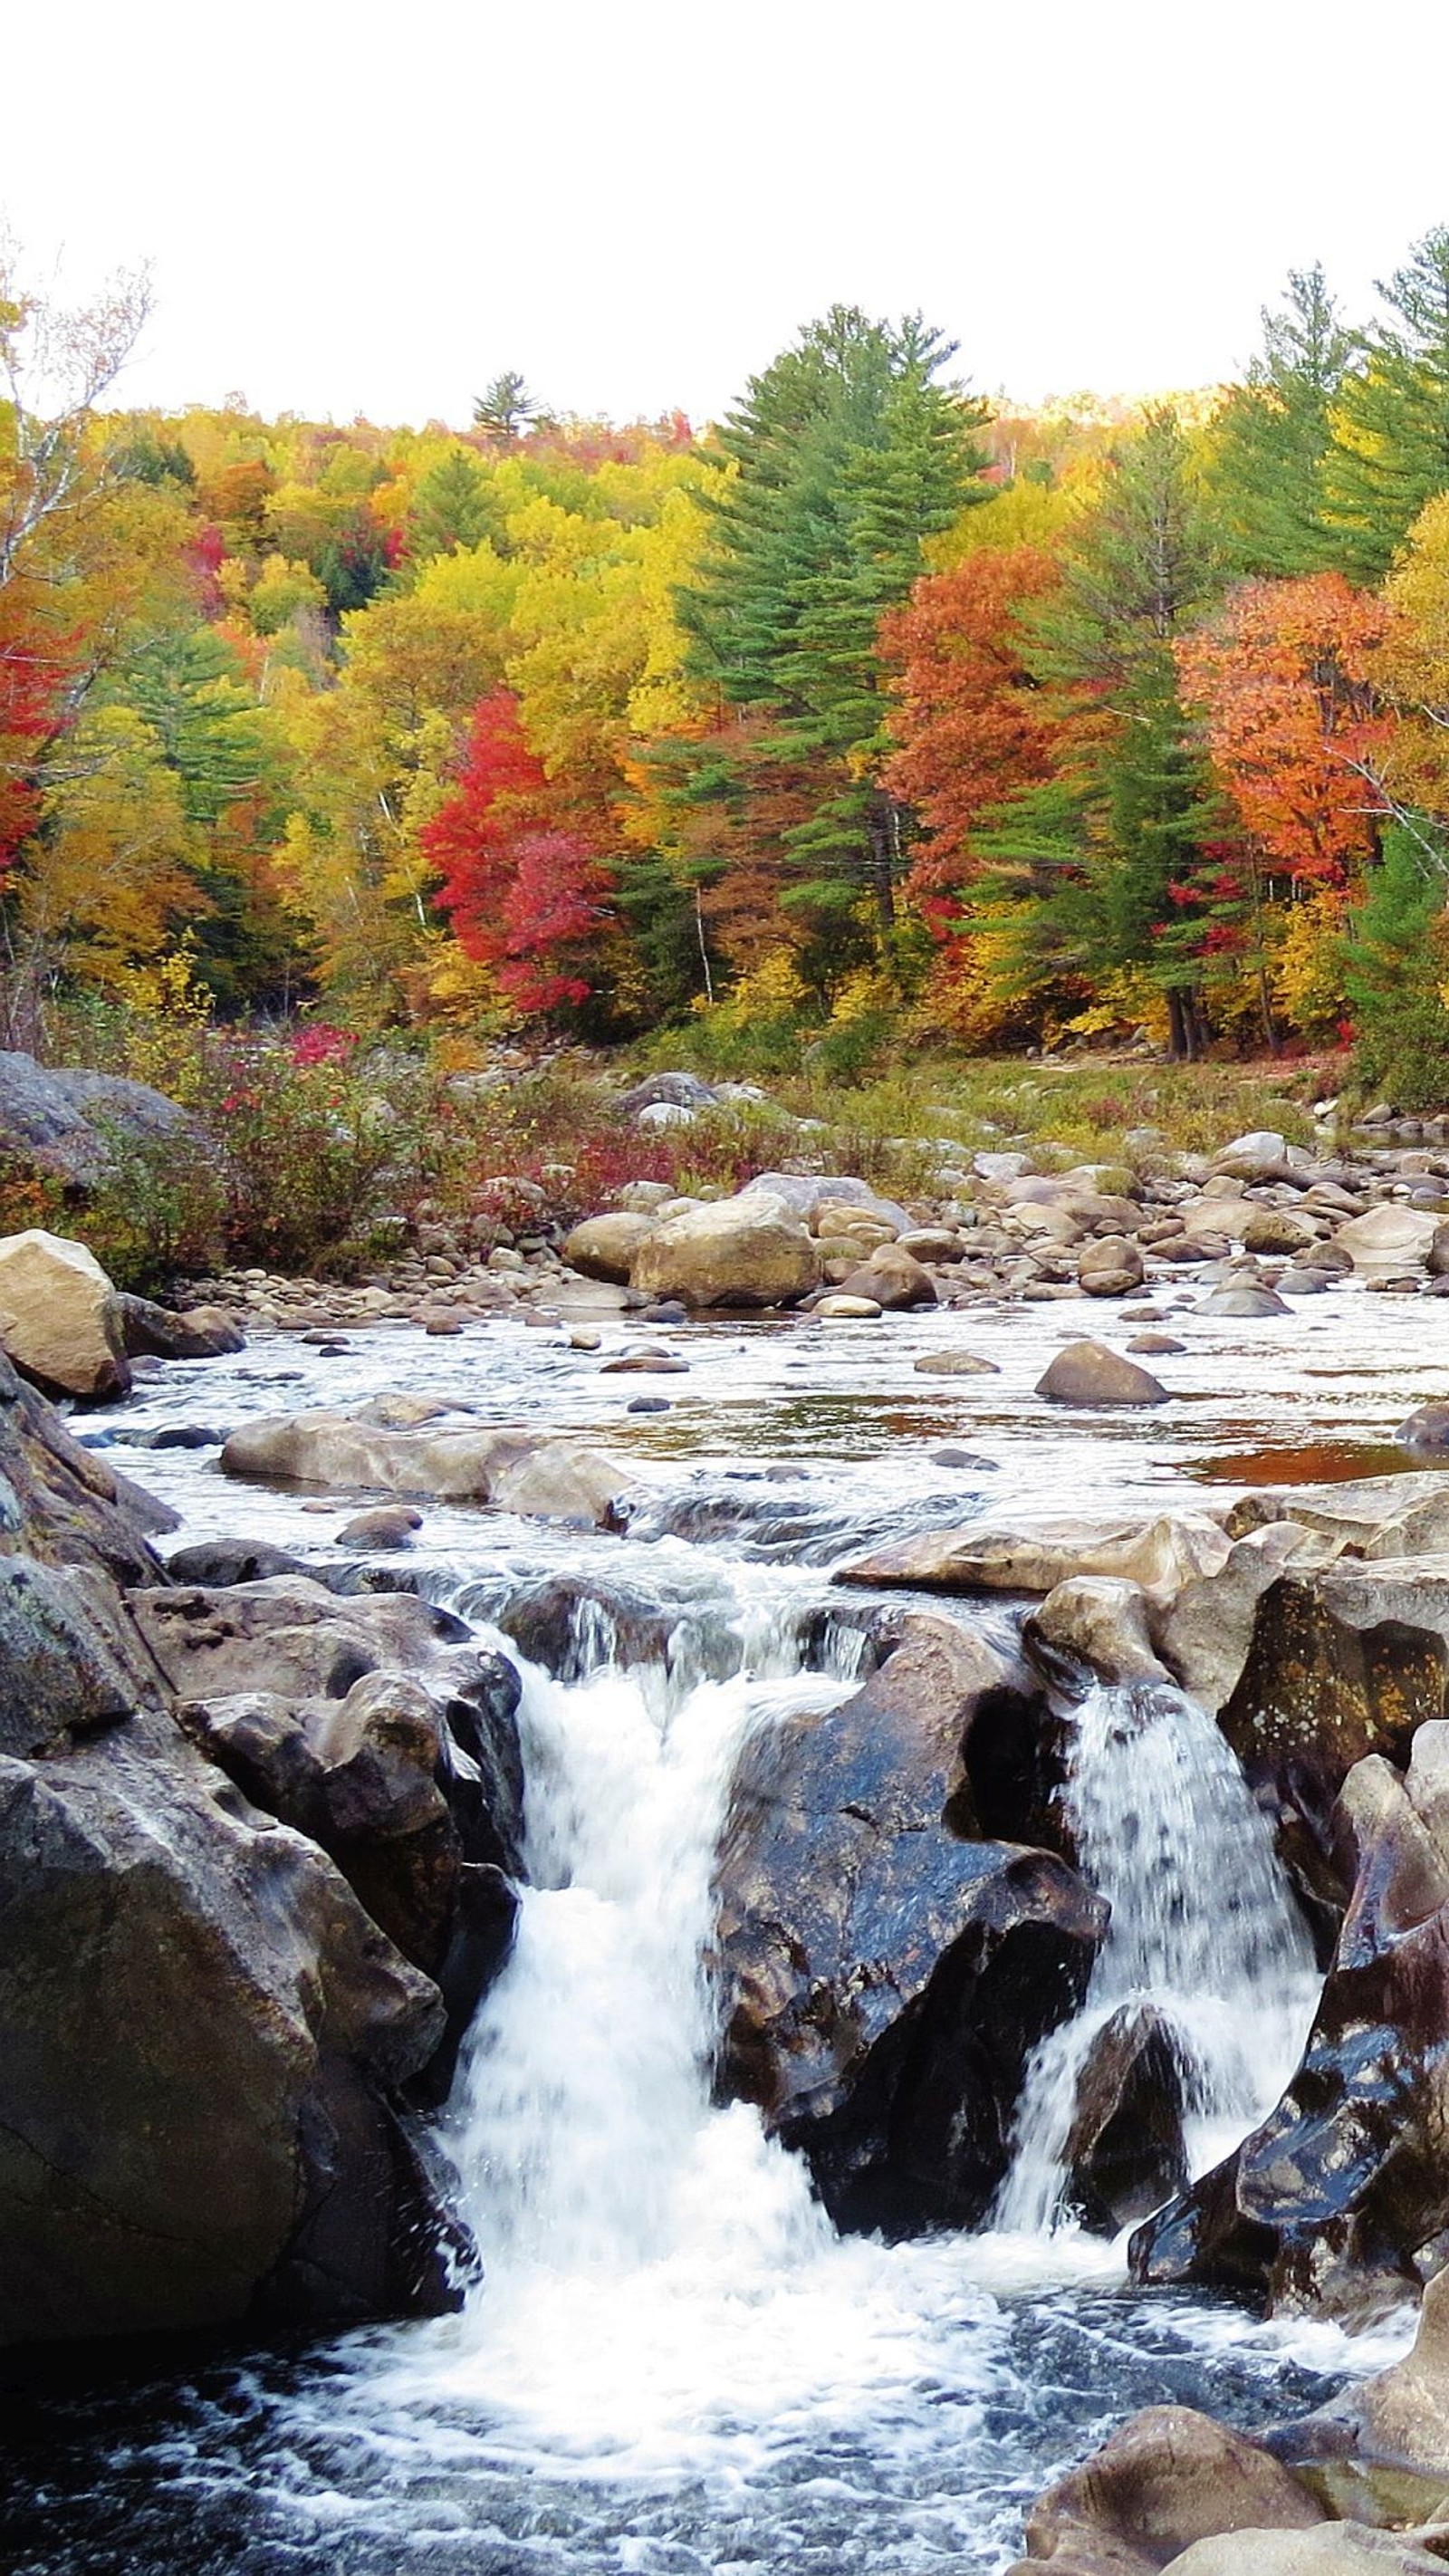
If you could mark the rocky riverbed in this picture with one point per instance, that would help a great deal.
(708, 1723)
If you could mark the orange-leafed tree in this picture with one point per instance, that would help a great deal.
(972, 727)
(522, 879)
(1284, 678)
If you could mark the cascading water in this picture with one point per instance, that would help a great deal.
(673, 2366)
(1204, 1929)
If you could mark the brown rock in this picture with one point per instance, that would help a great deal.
(60, 1318)
(1167, 2478)
(1087, 1373)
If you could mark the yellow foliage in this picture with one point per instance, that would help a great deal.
(770, 991)
(1307, 977)
(110, 878)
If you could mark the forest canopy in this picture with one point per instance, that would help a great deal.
(877, 713)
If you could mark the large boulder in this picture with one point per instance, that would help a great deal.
(1332, 2549)
(68, 1121)
(751, 1250)
(1160, 1556)
(885, 1981)
(60, 1317)
(1386, 2438)
(603, 1246)
(1340, 2199)
(347, 1452)
(1167, 2478)
(1087, 1373)
(288, 1634)
(810, 1192)
(1389, 1237)
(202, 2037)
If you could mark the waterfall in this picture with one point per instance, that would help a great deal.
(1204, 1928)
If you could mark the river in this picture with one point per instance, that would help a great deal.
(674, 2366)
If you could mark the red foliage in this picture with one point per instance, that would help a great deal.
(525, 888)
(969, 720)
(36, 670)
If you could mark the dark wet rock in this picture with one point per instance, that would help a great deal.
(1125, 2152)
(1087, 1373)
(370, 1778)
(1167, 2478)
(185, 1435)
(884, 1980)
(1340, 2200)
(646, 1364)
(1155, 1345)
(202, 2036)
(71, 1665)
(154, 1332)
(963, 1458)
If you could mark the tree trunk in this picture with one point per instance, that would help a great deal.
(884, 833)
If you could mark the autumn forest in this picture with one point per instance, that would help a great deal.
(879, 715)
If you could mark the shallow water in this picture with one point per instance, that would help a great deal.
(674, 2364)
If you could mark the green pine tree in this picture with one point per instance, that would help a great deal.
(849, 455)
(1265, 451)
(1104, 863)
(1390, 451)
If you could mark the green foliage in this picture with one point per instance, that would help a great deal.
(1396, 968)
(1265, 451)
(1390, 452)
(848, 457)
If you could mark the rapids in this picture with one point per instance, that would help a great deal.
(672, 2365)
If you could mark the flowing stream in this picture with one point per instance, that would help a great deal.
(673, 2365)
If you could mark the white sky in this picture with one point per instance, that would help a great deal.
(358, 209)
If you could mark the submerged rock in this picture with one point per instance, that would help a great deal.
(340, 1451)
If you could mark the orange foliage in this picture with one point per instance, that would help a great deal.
(1283, 676)
(970, 722)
